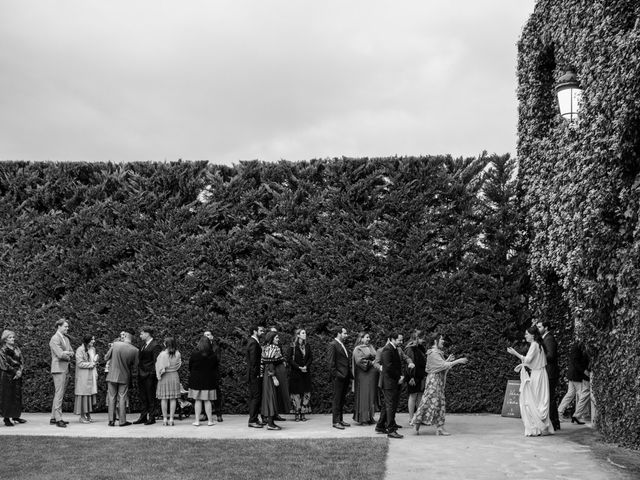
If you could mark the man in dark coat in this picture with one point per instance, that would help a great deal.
(254, 353)
(391, 381)
(339, 364)
(551, 352)
(147, 380)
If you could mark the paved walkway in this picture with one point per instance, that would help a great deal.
(480, 447)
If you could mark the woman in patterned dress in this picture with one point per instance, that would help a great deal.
(432, 408)
(168, 390)
(272, 389)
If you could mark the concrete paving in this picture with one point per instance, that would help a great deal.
(480, 447)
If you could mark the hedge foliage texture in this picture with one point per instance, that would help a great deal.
(581, 191)
(371, 244)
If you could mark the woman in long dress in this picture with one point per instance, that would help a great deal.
(365, 380)
(86, 384)
(432, 408)
(168, 390)
(11, 366)
(271, 362)
(415, 377)
(300, 359)
(534, 386)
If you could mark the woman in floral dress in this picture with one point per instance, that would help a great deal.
(432, 408)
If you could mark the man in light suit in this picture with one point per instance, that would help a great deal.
(124, 361)
(339, 365)
(254, 380)
(391, 380)
(147, 380)
(61, 354)
(551, 352)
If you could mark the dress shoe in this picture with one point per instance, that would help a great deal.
(274, 427)
(19, 420)
(125, 424)
(381, 430)
(338, 426)
(279, 418)
(575, 420)
(52, 421)
(345, 424)
(256, 425)
(141, 419)
(112, 423)
(61, 424)
(151, 421)
(8, 423)
(394, 434)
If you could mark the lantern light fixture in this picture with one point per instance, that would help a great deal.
(569, 95)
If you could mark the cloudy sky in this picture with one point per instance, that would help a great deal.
(95, 80)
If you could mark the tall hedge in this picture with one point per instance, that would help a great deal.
(581, 191)
(371, 244)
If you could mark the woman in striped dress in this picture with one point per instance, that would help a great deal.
(168, 390)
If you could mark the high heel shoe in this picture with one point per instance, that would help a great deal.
(575, 420)
(416, 427)
(443, 432)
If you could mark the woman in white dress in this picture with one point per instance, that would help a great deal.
(534, 386)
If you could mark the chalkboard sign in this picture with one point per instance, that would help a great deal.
(511, 404)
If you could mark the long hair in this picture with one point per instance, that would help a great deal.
(360, 337)
(296, 337)
(171, 346)
(86, 340)
(533, 330)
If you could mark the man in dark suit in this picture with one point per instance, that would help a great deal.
(124, 361)
(381, 426)
(340, 374)
(254, 380)
(147, 380)
(391, 381)
(551, 352)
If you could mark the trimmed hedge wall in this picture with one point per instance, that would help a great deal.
(581, 191)
(373, 244)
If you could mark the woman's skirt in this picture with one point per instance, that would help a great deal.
(84, 404)
(10, 395)
(203, 394)
(168, 386)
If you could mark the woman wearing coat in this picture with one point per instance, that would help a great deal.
(11, 366)
(86, 388)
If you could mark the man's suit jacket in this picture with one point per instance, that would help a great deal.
(338, 361)
(124, 361)
(391, 367)
(147, 359)
(59, 361)
(377, 363)
(551, 352)
(578, 364)
(254, 353)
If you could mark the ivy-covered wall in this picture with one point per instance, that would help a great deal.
(581, 191)
(369, 244)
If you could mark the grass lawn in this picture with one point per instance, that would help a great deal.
(177, 459)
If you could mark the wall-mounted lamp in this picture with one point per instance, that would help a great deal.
(569, 95)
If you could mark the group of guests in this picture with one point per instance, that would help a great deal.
(279, 379)
(375, 375)
(155, 364)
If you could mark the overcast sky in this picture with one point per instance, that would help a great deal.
(96, 80)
